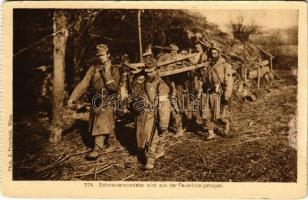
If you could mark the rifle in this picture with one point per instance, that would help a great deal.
(155, 123)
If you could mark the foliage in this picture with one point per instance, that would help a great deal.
(241, 30)
(117, 28)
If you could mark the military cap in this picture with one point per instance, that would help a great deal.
(148, 52)
(198, 35)
(173, 47)
(101, 48)
(214, 47)
(198, 45)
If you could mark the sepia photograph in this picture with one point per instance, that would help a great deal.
(132, 94)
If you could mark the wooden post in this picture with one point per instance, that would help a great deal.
(259, 77)
(139, 35)
(59, 41)
(271, 64)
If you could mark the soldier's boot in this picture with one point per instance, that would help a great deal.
(99, 144)
(211, 135)
(179, 132)
(226, 127)
(112, 143)
(141, 156)
(150, 164)
(93, 155)
(198, 120)
(160, 152)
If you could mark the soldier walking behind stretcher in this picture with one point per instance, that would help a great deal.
(217, 89)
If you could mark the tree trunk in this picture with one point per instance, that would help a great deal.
(59, 41)
(77, 49)
(139, 36)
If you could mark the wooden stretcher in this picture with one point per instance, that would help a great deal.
(163, 73)
(179, 64)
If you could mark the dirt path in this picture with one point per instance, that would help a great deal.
(259, 150)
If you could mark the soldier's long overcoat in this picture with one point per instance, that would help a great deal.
(103, 79)
(151, 94)
(219, 83)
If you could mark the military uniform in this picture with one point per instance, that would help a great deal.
(217, 89)
(153, 108)
(153, 93)
(197, 83)
(174, 85)
(189, 101)
(105, 80)
(175, 114)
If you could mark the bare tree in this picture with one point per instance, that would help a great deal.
(59, 41)
(242, 31)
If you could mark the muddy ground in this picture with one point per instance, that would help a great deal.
(262, 147)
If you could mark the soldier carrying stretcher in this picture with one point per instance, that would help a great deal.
(153, 111)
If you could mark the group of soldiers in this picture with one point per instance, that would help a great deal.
(198, 97)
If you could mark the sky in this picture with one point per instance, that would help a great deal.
(267, 19)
